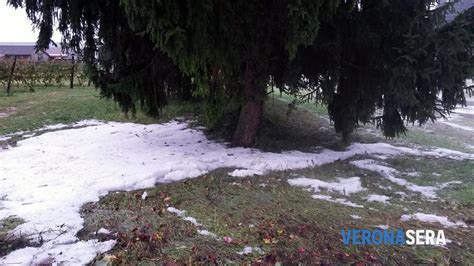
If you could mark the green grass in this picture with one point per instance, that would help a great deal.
(439, 171)
(433, 139)
(9, 243)
(283, 221)
(314, 107)
(301, 129)
(54, 105)
(279, 219)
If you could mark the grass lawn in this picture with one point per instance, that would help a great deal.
(8, 242)
(281, 223)
(26, 110)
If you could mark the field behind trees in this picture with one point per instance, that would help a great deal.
(31, 74)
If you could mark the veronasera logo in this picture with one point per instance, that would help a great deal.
(393, 237)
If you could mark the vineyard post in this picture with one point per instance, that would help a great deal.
(72, 73)
(12, 71)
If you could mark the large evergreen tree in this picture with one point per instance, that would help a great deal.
(229, 47)
(367, 60)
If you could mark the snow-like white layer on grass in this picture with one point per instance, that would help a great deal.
(182, 214)
(248, 250)
(175, 211)
(46, 179)
(413, 174)
(432, 218)
(401, 193)
(355, 216)
(103, 231)
(383, 226)
(192, 220)
(206, 233)
(442, 152)
(378, 198)
(468, 110)
(450, 183)
(385, 187)
(381, 157)
(64, 252)
(343, 186)
(82, 123)
(337, 200)
(466, 128)
(458, 118)
(390, 174)
(245, 172)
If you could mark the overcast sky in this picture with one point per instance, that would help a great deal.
(16, 27)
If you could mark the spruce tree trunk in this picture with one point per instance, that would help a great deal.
(251, 114)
